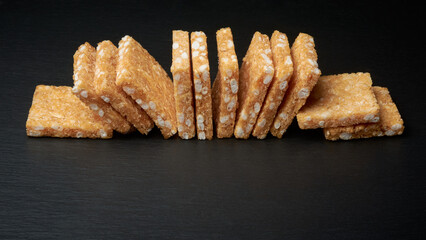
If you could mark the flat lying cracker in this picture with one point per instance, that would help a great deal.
(390, 122)
(84, 88)
(256, 74)
(305, 76)
(181, 70)
(340, 100)
(225, 86)
(202, 85)
(282, 74)
(142, 77)
(57, 112)
(104, 83)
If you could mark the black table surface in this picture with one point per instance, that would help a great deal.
(297, 187)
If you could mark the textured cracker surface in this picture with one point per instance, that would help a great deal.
(305, 76)
(84, 73)
(390, 122)
(57, 112)
(340, 100)
(283, 70)
(256, 74)
(142, 78)
(202, 86)
(107, 90)
(225, 86)
(183, 90)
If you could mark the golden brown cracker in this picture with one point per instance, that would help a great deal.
(57, 112)
(202, 85)
(183, 90)
(390, 118)
(143, 78)
(305, 76)
(363, 130)
(256, 74)
(225, 86)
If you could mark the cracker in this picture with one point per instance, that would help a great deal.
(390, 122)
(142, 77)
(256, 74)
(225, 86)
(340, 100)
(390, 118)
(57, 112)
(305, 76)
(84, 88)
(107, 90)
(363, 130)
(202, 85)
(283, 70)
(181, 71)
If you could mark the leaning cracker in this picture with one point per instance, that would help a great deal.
(256, 74)
(142, 77)
(282, 74)
(390, 122)
(84, 88)
(340, 100)
(305, 76)
(202, 85)
(181, 71)
(57, 112)
(390, 118)
(105, 74)
(225, 86)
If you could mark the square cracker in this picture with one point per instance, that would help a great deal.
(283, 70)
(225, 86)
(202, 85)
(181, 71)
(107, 90)
(143, 78)
(57, 112)
(305, 76)
(390, 122)
(256, 74)
(84, 88)
(340, 100)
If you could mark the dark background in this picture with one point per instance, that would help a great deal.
(298, 187)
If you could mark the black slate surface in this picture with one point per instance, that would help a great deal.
(136, 187)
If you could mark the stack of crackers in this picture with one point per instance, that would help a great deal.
(124, 89)
(347, 107)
